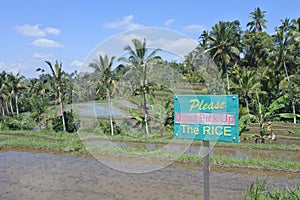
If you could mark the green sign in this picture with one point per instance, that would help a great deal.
(206, 117)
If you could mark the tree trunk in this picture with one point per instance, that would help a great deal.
(110, 111)
(11, 106)
(62, 111)
(1, 106)
(145, 101)
(247, 105)
(227, 79)
(291, 92)
(17, 106)
(145, 115)
(6, 105)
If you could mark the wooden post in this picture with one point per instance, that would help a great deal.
(206, 171)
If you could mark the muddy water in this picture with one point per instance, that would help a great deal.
(27, 175)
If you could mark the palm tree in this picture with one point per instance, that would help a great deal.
(286, 25)
(140, 58)
(2, 89)
(258, 22)
(57, 79)
(283, 39)
(104, 67)
(14, 85)
(203, 39)
(245, 83)
(224, 45)
(257, 48)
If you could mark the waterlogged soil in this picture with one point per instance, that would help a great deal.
(29, 175)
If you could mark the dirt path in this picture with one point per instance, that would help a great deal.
(27, 175)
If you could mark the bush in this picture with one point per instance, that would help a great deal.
(104, 127)
(71, 123)
(16, 122)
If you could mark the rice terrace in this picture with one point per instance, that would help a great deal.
(216, 118)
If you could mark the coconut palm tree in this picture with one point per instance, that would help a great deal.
(104, 66)
(14, 84)
(245, 84)
(283, 39)
(224, 44)
(258, 22)
(2, 91)
(140, 58)
(57, 79)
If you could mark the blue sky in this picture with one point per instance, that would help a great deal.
(33, 31)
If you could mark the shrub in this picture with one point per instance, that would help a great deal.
(16, 122)
(71, 123)
(104, 127)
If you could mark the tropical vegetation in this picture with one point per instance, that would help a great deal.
(262, 68)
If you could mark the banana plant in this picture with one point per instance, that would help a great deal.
(264, 114)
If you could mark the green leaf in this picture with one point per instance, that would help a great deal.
(288, 115)
(297, 132)
(136, 116)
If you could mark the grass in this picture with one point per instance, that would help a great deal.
(296, 132)
(40, 140)
(168, 137)
(259, 191)
(218, 160)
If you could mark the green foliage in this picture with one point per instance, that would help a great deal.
(244, 121)
(297, 132)
(38, 106)
(17, 122)
(136, 116)
(288, 115)
(71, 123)
(259, 191)
(104, 127)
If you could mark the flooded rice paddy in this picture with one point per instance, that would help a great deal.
(31, 175)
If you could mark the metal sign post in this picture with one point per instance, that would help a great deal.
(206, 171)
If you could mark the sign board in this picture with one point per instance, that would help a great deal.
(206, 117)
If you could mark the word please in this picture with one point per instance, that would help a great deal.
(202, 105)
(205, 118)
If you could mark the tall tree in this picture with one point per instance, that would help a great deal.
(257, 48)
(140, 58)
(57, 79)
(245, 84)
(2, 91)
(258, 22)
(283, 39)
(224, 45)
(14, 84)
(103, 66)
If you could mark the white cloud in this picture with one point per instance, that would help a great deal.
(125, 23)
(169, 22)
(126, 38)
(52, 31)
(77, 63)
(2, 65)
(46, 43)
(194, 28)
(42, 55)
(179, 46)
(36, 30)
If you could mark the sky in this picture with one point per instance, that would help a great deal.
(34, 31)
